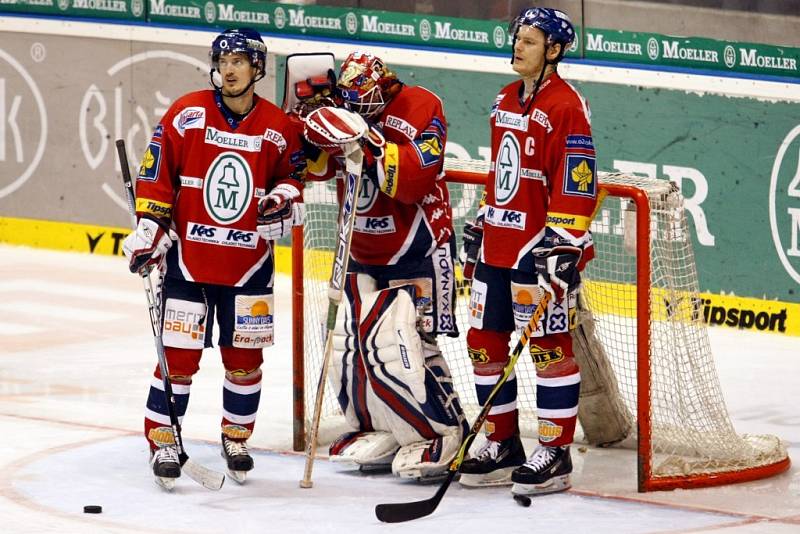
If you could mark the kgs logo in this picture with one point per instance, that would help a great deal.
(505, 218)
(200, 230)
(238, 236)
(375, 225)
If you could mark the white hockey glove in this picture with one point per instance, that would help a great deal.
(557, 269)
(148, 243)
(339, 131)
(278, 212)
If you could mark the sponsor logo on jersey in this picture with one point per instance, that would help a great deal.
(533, 174)
(579, 176)
(508, 119)
(375, 225)
(549, 431)
(191, 181)
(543, 358)
(505, 218)
(158, 131)
(184, 325)
(224, 237)
(445, 280)
(541, 118)
(189, 118)
(429, 149)
(507, 169)
(151, 162)
(567, 220)
(391, 166)
(367, 196)
(580, 141)
(276, 138)
(401, 125)
(248, 143)
(477, 303)
(496, 104)
(161, 210)
(228, 188)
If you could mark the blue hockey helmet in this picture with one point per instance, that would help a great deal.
(245, 41)
(555, 25)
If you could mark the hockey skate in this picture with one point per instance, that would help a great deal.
(166, 466)
(237, 457)
(546, 471)
(493, 463)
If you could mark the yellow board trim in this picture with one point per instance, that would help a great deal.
(620, 299)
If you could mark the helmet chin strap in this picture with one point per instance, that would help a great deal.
(216, 82)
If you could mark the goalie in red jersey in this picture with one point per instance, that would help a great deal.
(390, 377)
(219, 181)
(541, 192)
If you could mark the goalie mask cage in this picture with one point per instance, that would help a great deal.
(641, 293)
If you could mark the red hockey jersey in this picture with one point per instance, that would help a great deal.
(405, 213)
(204, 171)
(542, 174)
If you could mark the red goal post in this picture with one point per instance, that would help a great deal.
(646, 362)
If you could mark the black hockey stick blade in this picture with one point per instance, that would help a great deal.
(400, 512)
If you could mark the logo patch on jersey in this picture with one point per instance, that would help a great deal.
(158, 131)
(496, 104)
(508, 119)
(505, 218)
(374, 225)
(151, 162)
(224, 237)
(477, 303)
(541, 118)
(580, 141)
(579, 175)
(228, 188)
(248, 143)
(276, 138)
(401, 125)
(506, 173)
(189, 118)
(367, 196)
(429, 148)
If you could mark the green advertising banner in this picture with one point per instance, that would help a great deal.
(489, 36)
(106, 9)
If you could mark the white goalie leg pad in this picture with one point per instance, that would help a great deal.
(412, 393)
(365, 448)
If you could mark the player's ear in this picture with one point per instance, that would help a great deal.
(553, 51)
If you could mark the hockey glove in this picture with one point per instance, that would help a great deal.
(148, 243)
(471, 247)
(557, 269)
(278, 212)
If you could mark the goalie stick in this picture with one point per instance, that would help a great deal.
(399, 512)
(353, 162)
(208, 478)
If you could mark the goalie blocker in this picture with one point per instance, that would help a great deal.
(394, 387)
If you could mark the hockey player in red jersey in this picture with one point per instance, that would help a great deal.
(219, 181)
(541, 192)
(391, 380)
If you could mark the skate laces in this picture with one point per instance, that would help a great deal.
(235, 448)
(541, 458)
(166, 455)
(489, 450)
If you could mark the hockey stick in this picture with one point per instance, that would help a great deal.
(353, 162)
(399, 512)
(200, 474)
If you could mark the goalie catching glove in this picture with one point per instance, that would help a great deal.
(278, 212)
(148, 243)
(339, 131)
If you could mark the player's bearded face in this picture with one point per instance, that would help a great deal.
(529, 52)
(236, 73)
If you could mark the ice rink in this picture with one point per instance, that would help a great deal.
(76, 360)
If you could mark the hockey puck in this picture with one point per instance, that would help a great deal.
(92, 509)
(522, 500)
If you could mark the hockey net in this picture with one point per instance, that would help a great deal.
(648, 376)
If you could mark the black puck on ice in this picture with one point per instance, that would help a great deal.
(92, 509)
(522, 500)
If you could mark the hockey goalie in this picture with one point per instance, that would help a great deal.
(387, 372)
